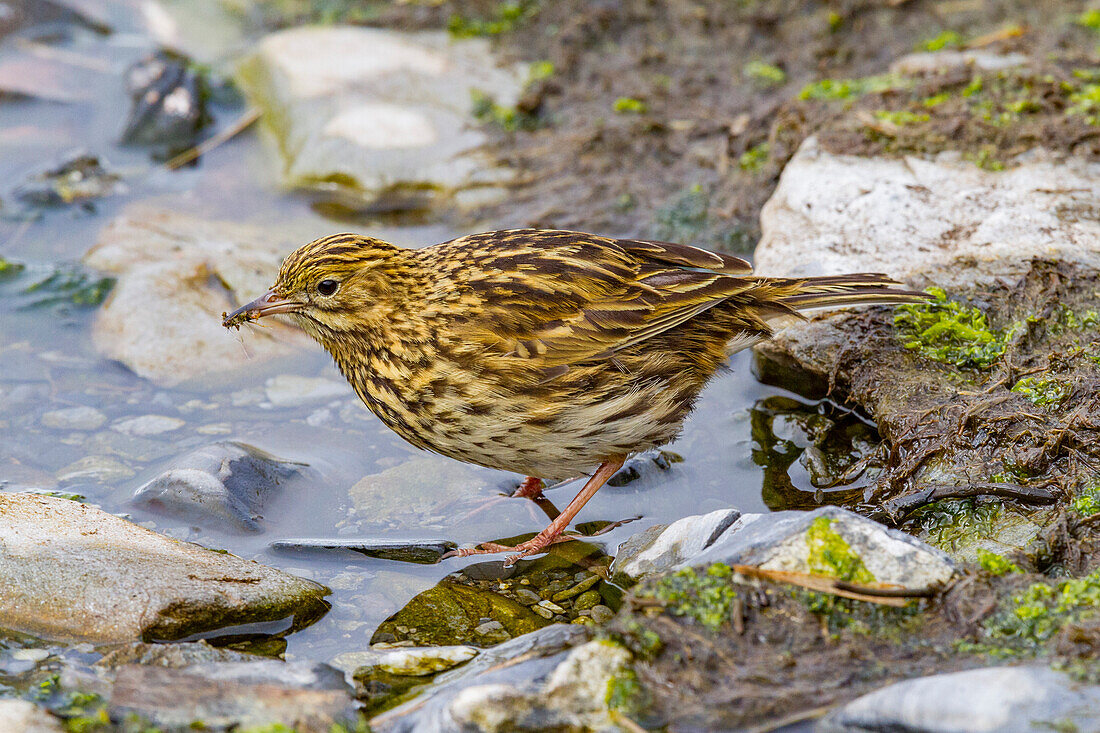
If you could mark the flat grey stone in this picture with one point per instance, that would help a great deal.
(663, 547)
(993, 700)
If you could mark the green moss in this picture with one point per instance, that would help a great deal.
(936, 99)
(625, 693)
(1043, 392)
(9, 268)
(764, 74)
(1086, 101)
(753, 159)
(985, 158)
(487, 111)
(629, 105)
(974, 87)
(947, 331)
(995, 564)
(838, 89)
(540, 70)
(504, 18)
(947, 39)
(1089, 19)
(705, 596)
(901, 117)
(1087, 502)
(831, 555)
(950, 522)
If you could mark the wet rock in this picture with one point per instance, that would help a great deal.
(419, 551)
(234, 695)
(601, 613)
(378, 112)
(170, 655)
(662, 547)
(176, 275)
(450, 613)
(834, 214)
(802, 542)
(642, 465)
(997, 700)
(74, 418)
(224, 483)
(20, 716)
(146, 425)
(81, 178)
(169, 102)
(409, 661)
(75, 572)
(520, 667)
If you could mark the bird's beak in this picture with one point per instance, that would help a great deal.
(267, 304)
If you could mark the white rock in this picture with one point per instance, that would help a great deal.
(942, 61)
(72, 571)
(163, 318)
(833, 214)
(145, 425)
(376, 109)
(20, 716)
(659, 548)
(74, 418)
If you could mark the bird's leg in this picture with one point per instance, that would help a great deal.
(551, 534)
(531, 488)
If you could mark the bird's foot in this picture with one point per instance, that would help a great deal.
(533, 546)
(531, 488)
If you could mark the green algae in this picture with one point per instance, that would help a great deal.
(946, 39)
(766, 75)
(1042, 392)
(753, 159)
(995, 564)
(629, 105)
(832, 556)
(1087, 502)
(485, 110)
(503, 19)
(951, 333)
(625, 693)
(901, 117)
(707, 596)
(842, 89)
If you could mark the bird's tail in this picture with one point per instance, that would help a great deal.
(838, 291)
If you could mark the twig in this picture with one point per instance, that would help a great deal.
(242, 123)
(902, 506)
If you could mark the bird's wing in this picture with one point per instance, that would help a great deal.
(560, 298)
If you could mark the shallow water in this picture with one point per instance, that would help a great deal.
(47, 363)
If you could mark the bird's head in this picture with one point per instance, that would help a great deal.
(335, 285)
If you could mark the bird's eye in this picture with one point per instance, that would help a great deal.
(327, 287)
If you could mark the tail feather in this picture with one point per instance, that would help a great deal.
(838, 291)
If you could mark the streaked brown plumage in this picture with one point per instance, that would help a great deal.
(543, 352)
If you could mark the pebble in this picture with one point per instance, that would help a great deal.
(601, 613)
(31, 655)
(587, 600)
(526, 597)
(104, 469)
(74, 418)
(548, 607)
(544, 612)
(146, 425)
(577, 589)
(217, 428)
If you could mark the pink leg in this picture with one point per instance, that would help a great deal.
(551, 534)
(531, 488)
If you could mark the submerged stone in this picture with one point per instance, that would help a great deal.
(75, 572)
(418, 551)
(410, 661)
(225, 483)
(450, 613)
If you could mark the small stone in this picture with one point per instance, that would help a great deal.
(146, 425)
(576, 590)
(217, 428)
(74, 418)
(545, 613)
(551, 607)
(31, 655)
(104, 469)
(587, 600)
(526, 597)
(601, 613)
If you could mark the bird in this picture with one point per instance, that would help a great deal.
(548, 353)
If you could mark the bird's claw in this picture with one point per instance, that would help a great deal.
(533, 546)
